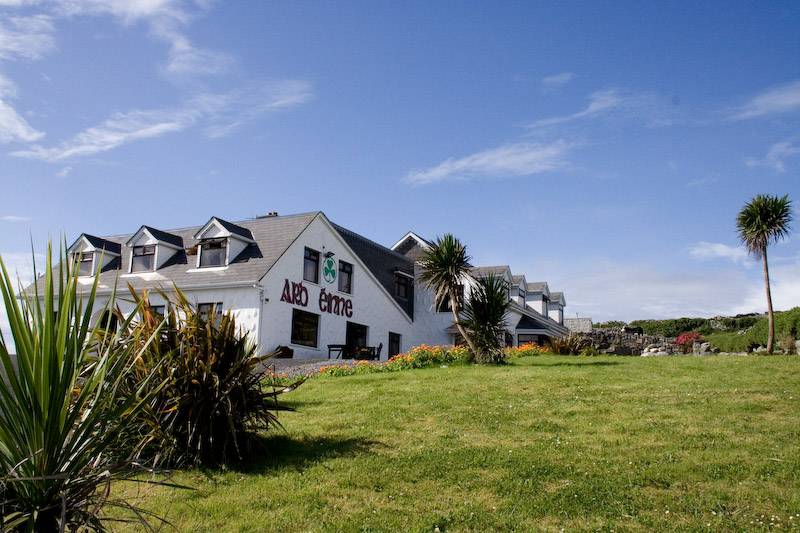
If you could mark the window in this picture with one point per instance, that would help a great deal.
(394, 344)
(158, 309)
(85, 262)
(205, 309)
(401, 286)
(345, 277)
(212, 252)
(108, 322)
(311, 266)
(304, 328)
(522, 294)
(523, 338)
(144, 258)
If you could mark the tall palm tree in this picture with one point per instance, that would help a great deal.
(763, 221)
(445, 268)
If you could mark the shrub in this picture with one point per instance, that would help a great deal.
(213, 404)
(62, 414)
(568, 345)
(484, 318)
(672, 327)
(785, 323)
(686, 341)
(787, 343)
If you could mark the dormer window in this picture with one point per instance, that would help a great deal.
(152, 248)
(93, 255)
(85, 264)
(221, 243)
(144, 258)
(213, 252)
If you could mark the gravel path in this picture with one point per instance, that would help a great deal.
(295, 367)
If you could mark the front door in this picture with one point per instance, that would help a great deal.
(356, 335)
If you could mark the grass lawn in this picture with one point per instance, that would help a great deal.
(544, 444)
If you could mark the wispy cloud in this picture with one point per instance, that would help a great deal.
(780, 99)
(32, 37)
(510, 160)
(230, 111)
(64, 172)
(775, 157)
(15, 218)
(222, 113)
(706, 251)
(12, 126)
(599, 102)
(26, 37)
(557, 80)
(121, 128)
(15, 128)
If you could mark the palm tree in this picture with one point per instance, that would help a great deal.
(485, 317)
(445, 267)
(763, 221)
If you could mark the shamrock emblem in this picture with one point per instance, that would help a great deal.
(329, 270)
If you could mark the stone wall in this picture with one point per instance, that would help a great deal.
(616, 341)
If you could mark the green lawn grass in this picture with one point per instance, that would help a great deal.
(544, 444)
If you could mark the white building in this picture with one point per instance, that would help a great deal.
(298, 281)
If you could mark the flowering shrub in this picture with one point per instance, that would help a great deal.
(686, 340)
(419, 357)
(525, 350)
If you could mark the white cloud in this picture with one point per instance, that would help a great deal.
(223, 112)
(63, 172)
(599, 102)
(775, 157)
(15, 218)
(228, 112)
(121, 128)
(557, 80)
(15, 128)
(26, 37)
(624, 291)
(780, 99)
(706, 251)
(510, 160)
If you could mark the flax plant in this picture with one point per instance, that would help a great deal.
(215, 401)
(61, 412)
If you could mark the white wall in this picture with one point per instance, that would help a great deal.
(371, 305)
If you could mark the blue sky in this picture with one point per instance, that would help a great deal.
(603, 147)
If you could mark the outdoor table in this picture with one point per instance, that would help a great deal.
(338, 349)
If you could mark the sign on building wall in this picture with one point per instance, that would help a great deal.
(329, 270)
(297, 294)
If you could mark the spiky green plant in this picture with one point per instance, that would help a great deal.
(567, 345)
(215, 401)
(444, 270)
(764, 220)
(61, 412)
(485, 318)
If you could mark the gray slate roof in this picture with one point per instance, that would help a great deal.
(483, 272)
(383, 263)
(102, 244)
(273, 235)
(163, 236)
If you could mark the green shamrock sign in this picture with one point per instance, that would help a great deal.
(329, 270)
